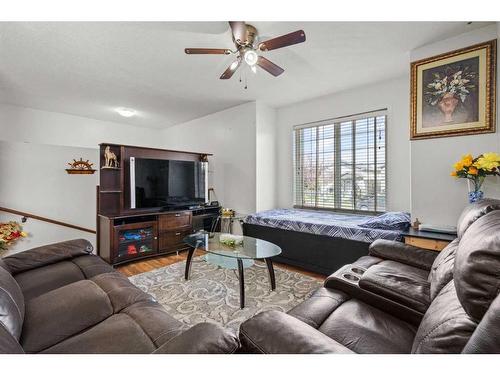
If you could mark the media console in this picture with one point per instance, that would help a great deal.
(125, 234)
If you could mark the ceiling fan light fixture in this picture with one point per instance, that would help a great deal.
(250, 57)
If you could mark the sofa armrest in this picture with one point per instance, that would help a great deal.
(43, 255)
(203, 338)
(275, 332)
(403, 253)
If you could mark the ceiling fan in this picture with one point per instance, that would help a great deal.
(245, 38)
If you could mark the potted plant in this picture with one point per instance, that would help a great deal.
(475, 171)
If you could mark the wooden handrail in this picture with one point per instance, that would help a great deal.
(47, 220)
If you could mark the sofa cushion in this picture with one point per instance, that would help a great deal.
(398, 282)
(154, 320)
(477, 265)
(47, 254)
(118, 334)
(445, 327)
(474, 211)
(365, 329)
(442, 268)
(92, 265)
(317, 308)
(61, 313)
(41, 280)
(11, 304)
(121, 292)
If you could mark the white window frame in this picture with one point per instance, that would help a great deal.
(297, 171)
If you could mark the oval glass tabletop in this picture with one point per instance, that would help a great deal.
(249, 248)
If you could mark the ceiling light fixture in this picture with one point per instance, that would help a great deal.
(126, 112)
(250, 57)
(254, 69)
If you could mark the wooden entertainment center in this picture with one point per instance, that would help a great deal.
(125, 234)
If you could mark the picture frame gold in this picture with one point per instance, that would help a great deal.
(454, 93)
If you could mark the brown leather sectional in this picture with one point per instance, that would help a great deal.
(62, 299)
(398, 299)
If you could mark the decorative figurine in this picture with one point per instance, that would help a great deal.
(416, 224)
(110, 159)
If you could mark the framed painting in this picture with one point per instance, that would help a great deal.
(454, 93)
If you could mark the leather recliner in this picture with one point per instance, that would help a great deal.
(462, 315)
(62, 299)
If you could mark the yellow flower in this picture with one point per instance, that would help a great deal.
(453, 174)
(458, 165)
(488, 161)
(472, 170)
(24, 234)
(467, 160)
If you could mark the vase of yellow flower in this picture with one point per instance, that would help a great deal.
(9, 233)
(475, 170)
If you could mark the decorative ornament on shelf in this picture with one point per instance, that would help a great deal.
(110, 159)
(9, 233)
(80, 167)
(475, 170)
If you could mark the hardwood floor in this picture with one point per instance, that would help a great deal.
(147, 265)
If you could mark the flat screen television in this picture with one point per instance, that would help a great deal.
(167, 184)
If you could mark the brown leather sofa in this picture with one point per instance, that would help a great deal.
(399, 299)
(62, 299)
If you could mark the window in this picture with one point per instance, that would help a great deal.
(340, 164)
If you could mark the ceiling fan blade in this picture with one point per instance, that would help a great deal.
(269, 66)
(239, 29)
(228, 73)
(296, 37)
(207, 51)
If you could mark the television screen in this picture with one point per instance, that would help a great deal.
(167, 184)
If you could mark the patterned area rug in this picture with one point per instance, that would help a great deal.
(212, 293)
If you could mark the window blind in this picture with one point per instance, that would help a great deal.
(340, 164)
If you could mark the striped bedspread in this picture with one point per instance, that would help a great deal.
(324, 223)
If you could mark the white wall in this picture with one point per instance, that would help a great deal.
(35, 146)
(266, 155)
(436, 197)
(21, 124)
(393, 95)
(230, 136)
(33, 179)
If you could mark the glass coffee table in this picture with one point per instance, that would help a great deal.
(250, 249)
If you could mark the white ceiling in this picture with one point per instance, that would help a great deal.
(89, 68)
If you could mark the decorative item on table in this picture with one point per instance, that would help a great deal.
(454, 93)
(228, 212)
(110, 159)
(475, 170)
(416, 224)
(10, 232)
(80, 167)
(231, 240)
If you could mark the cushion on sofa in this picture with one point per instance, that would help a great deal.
(38, 281)
(398, 282)
(8, 344)
(442, 268)
(61, 313)
(366, 329)
(11, 304)
(118, 334)
(474, 211)
(477, 265)
(445, 327)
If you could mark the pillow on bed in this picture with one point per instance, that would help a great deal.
(389, 221)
